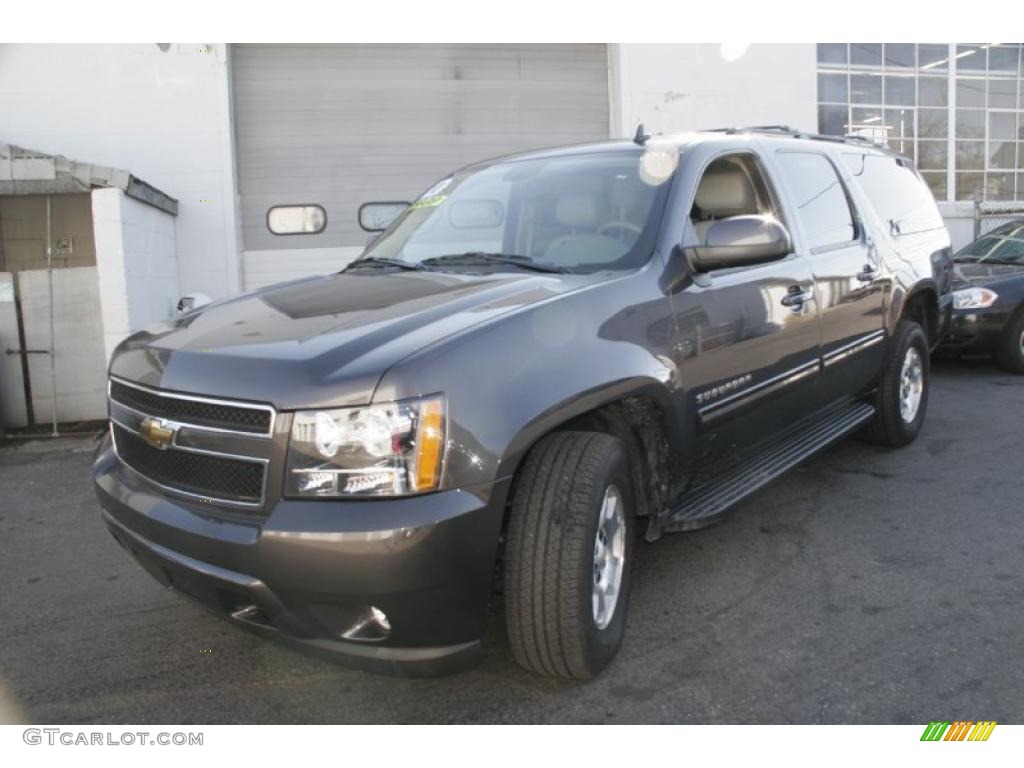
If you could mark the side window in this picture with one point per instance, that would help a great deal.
(732, 185)
(820, 199)
(896, 192)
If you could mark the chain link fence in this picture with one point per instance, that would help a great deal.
(989, 215)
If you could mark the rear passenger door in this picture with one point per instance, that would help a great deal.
(850, 286)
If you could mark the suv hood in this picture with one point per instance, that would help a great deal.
(323, 341)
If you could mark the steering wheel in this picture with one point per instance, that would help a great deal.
(619, 225)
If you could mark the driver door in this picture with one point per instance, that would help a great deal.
(748, 336)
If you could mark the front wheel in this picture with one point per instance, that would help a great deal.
(568, 553)
(903, 393)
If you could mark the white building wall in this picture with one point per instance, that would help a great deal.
(683, 87)
(137, 264)
(165, 116)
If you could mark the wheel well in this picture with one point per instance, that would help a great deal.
(923, 308)
(639, 422)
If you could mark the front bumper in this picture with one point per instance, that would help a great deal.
(975, 331)
(311, 571)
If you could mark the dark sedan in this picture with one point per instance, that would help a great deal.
(988, 299)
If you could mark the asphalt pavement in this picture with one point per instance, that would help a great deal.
(868, 586)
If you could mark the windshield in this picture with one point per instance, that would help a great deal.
(1001, 246)
(571, 213)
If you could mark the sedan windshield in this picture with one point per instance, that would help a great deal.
(1001, 246)
(572, 213)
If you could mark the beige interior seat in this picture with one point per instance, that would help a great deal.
(724, 191)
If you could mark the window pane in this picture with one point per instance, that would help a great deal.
(999, 186)
(970, 124)
(866, 117)
(831, 53)
(1002, 93)
(900, 146)
(970, 155)
(1003, 58)
(933, 155)
(1020, 186)
(1002, 154)
(899, 55)
(832, 88)
(869, 54)
(970, 57)
(1002, 125)
(821, 201)
(933, 58)
(936, 183)
(966, 183)
(866, 89)
(970, 93)
(900, 122)
(933, 92)
(832, 120)
(899, 90)
(894, 191)
(933, 123)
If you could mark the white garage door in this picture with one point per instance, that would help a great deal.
(340, 125)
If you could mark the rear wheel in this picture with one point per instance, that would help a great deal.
(568, 553)
(903, 393)
(1010, 352)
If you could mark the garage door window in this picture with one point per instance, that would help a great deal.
(296, 219)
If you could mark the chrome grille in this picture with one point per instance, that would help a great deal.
(218, 451)
(202, 475)
(205, 412)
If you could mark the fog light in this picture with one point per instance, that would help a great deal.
(372, 625)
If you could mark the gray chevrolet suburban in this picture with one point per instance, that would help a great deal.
(538, 363)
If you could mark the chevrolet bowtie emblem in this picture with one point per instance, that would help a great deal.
(157, 432)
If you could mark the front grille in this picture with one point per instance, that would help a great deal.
(208, 476)
(199, 412)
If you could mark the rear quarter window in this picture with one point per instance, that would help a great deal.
(896, 192)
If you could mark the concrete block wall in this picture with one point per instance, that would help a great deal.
(137, 262)
(78, 343)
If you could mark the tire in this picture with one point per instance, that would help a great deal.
(551, 546)
(890, 426)
(1010, 352)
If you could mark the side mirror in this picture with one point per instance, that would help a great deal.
(376, 217)
(739, 241)
(192, 301)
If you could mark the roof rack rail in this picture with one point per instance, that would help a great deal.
(785, 130)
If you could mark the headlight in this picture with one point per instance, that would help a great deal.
(974, 298)
(392, 449)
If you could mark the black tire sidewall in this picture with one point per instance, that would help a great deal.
(911, 335)
(601, 645)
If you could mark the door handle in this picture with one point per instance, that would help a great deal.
(868, 274)
(796, 298)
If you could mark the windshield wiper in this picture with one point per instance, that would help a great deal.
(381, 261)
(484, 257)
